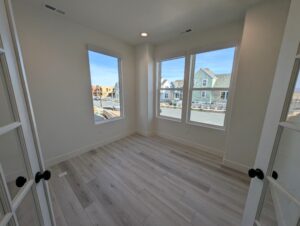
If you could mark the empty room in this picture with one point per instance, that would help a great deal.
(149, 113)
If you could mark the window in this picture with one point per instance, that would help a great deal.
(106, 86)
(208, 103)
(171, 76)
(224, 95)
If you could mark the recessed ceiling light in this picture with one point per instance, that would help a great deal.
(144, 34)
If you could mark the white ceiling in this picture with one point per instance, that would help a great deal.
(162, 19)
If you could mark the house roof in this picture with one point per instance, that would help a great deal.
(222, 80)
(165, 83)
(208, 72)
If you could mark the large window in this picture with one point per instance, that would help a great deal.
(214, 67)
(171, 76)
(209, 77)
(106, 85)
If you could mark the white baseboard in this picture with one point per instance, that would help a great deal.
(145, 133)
(191, 144)
(66, 156)
(235, 165)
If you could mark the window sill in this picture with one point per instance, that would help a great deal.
(199, 124)
(169, 118)
(110, 120)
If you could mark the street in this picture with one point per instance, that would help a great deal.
(197, 116)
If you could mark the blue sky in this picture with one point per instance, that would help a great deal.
(297, 87)
(103, 68)
(219, 61)
(173, 69)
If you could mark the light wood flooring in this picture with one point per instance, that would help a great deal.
(147, 182)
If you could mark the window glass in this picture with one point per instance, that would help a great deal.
(171, 88)
(171, 103)
(211, 82)
(294, 109)
(172, 73)
(105, 80)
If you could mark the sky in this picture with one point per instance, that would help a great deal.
(297, 87)
(219, 61)
(103, 69)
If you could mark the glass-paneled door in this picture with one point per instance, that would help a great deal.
(24, 198)
(274, 194)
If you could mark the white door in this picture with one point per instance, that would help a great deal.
(274, 193)
(24, 195)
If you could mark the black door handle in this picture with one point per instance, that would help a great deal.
(256, 173)
(46, 175)
(20, 181)
(275, 175)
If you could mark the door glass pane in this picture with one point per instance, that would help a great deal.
(1, 44)
(12, 161)
(287, 161)
(11, 222)
(268, 217)
(27, 213)
(294, 108)
(2, 213)
(5, 104)
(287, 167)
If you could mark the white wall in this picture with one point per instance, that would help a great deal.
(55, 55)
(263, 32)
(204, 138)
(144, 86)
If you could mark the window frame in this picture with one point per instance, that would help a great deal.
(204, 80)
(230, 89)
(187, 97)
(158, 87)
(119, 57)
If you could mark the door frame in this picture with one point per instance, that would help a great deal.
(281, 85)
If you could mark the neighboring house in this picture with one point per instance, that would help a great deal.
(102, 91)
(205, 78)
(208, 99)
(171, 95)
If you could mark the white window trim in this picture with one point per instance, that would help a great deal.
(120, 72)
(204, 80)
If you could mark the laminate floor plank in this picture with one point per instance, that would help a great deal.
(148, 181)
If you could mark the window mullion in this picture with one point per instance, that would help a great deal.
(189, 76)
(210, 89)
